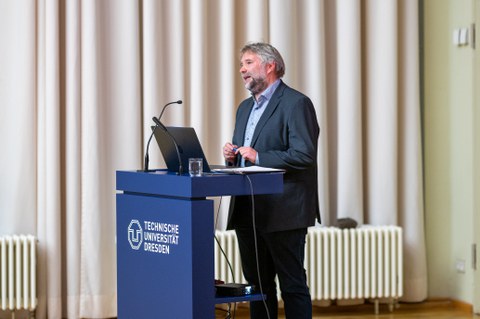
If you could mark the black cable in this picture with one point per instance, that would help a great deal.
(256, 246)
(256, 251)
(226, 258)
(218, 213)
(220, 246)
(228, 262)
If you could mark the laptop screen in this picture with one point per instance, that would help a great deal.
(188, 147)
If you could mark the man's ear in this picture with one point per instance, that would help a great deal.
(271, 67)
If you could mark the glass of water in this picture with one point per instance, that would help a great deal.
(195, 166)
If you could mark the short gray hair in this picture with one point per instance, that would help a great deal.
(267, 54)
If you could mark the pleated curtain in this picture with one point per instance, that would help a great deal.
(81, 80)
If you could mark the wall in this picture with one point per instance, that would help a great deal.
(448, 146)
(476, 157)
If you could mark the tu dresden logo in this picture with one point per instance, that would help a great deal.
(135, 234)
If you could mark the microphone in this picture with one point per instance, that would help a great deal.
(163, 110)
(177, 148)
(147, 159)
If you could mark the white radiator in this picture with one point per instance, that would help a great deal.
(18, 290)
(360, 263)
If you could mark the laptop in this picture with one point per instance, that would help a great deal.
(188, 147)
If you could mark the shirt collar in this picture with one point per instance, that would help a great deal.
(267, 94)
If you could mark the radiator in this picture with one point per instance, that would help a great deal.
(360, 263)
(18, 290)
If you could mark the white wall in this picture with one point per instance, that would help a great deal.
(449, 149)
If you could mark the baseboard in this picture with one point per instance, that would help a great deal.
(464, 306)
(445, 303)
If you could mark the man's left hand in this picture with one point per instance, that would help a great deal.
(248, 153)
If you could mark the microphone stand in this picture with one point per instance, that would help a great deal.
(177, 148)
(147, 158)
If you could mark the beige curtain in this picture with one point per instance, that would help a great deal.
(81, 80)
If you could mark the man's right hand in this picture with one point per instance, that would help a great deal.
(230, 152)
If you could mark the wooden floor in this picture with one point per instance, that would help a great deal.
(442, 309)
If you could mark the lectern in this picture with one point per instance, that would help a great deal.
(165, 240)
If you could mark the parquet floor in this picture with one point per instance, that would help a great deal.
(442, 309)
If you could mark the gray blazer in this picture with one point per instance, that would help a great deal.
(286, 137)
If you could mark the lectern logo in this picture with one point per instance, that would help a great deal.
(135, 234)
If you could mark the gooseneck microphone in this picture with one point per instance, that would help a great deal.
(163, 110)
(177, 148)
(147, 159)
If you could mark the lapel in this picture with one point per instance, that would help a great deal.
(271, 107)
(242, 121)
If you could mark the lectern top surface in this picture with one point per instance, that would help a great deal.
(165, 183)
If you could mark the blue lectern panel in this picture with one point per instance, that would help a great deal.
(165, 257)
(168, 184)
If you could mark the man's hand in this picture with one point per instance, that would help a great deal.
(230, 152)
(248, 153)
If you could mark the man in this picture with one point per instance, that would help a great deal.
(276, 127)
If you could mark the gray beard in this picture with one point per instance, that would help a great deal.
(256, 86)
